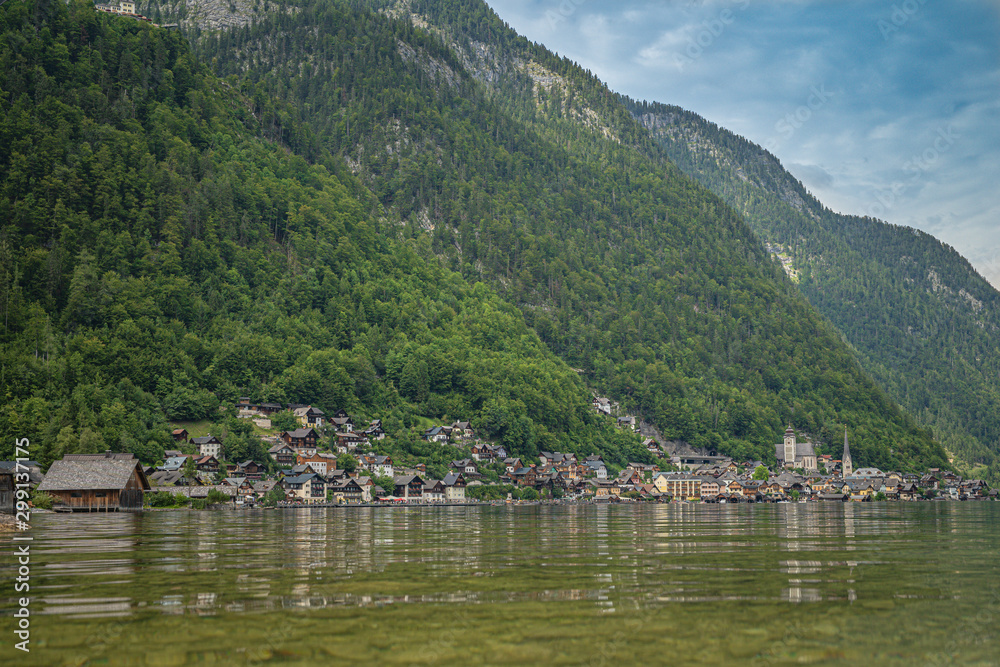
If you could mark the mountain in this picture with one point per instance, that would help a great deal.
(170, 243)
(517, 169)
(411, 214)
(924, 323)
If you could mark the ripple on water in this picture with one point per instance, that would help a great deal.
(626, 582)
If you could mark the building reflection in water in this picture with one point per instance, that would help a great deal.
(617, 557)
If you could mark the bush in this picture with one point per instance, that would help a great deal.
(284, 421)
(387, 483)
(215, 497)
(489, 492)
(526, 493)
(42, 500)
(167, 499)
(273, 497)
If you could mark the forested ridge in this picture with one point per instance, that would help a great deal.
(166, 250)
(353, 211)
(529, 174)
(924, 323)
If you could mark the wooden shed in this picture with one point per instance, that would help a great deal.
(97, 482)
(7, 492)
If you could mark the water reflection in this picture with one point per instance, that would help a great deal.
(615, 557)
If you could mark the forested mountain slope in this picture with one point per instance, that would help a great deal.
(925, 324)
(521, 170)
(167, 246)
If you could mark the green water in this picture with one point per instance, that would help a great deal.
(880, 584)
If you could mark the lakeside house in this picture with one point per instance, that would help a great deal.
(408, 486)
(34, 469)
(97, 482)
(7, 491)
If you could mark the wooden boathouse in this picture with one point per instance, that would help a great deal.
(7, 492)
(97, 482)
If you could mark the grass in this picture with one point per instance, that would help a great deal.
(198, 429)
(424, 423)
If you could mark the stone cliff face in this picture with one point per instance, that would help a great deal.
(207, 14)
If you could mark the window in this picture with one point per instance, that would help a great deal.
(76, 494)
(98, 495)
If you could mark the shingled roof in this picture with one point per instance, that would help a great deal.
(92, 471)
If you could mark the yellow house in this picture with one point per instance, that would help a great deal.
(127, 7)
(678, 487)
(660, 482)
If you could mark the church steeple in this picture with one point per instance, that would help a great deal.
(790, 447)
(847, 466)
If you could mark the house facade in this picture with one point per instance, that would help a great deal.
(301, 437)
(208, 446)
(680, 487)
(454, 487)
(309, 416)
(284, 455)
(97, 482)
(408, 486)
(307, 488)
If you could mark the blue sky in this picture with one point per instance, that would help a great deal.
(888, 108)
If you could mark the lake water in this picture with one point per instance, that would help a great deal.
(875, 584)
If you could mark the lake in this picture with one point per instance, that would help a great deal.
(849, 584)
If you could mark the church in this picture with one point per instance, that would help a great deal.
(792, 454)
(847, 464)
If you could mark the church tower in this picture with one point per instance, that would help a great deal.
(847, 465)
(789, 448)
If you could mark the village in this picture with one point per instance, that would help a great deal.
(350, 472)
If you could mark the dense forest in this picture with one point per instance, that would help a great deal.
(528, 174)
(924, 323)
(167, 250)
(339, 207)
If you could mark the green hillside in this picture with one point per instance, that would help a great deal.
(518, 169)
(168, 245)
(924, 323)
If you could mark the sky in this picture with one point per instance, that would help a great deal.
(889, 108)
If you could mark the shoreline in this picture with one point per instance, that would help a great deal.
(7, 522)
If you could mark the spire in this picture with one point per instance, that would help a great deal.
(846, 464)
